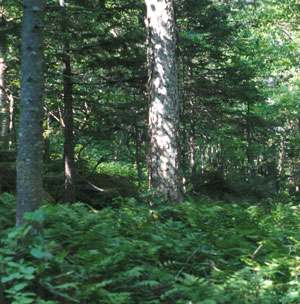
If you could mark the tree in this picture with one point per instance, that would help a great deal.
(29, 159)
(164, 169)
(104, 75)
(69, 194)
(4, 108)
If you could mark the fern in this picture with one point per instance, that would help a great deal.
(130, 254)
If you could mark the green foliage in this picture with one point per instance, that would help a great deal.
(23, 258)
(127, 170)
(238, 82)
(202, 252)
(7, 211)
(116, 168)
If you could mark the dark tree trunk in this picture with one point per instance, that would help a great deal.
(184, 126)
(192, 145)
(272, 169)
(249, 150)
(183, 146)
(2, 298)
(30, 150)
(164, 152)
(137, 155)
(192, 137)
(69, 163)
(47, 145)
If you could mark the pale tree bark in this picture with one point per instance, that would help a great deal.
(164, 151)
(69, 163)
(11, 127)
(30, 145)
(4, 105)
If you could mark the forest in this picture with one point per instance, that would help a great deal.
(149, 152)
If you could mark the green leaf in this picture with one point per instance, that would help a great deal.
(66, 286)
(23, 301)
(36, 216)
(208, 301)
(20, 286)
(104, 283)
(10, 277)
(28, 270)
(39, 254)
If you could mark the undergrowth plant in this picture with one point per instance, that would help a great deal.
(202, 252)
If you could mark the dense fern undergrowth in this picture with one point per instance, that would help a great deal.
(202, 252)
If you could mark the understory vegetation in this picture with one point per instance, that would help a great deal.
(101, 231)
(203, 252)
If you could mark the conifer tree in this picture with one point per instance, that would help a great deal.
(29, 160)
(164, 120)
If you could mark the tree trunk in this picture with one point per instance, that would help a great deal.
(69, 163)
(272, 168)
(249, 149)
(184, 126)
(4, 105)
(137, 139)
(30, 150)
(47, 144)
(12, 134)
(164, 151)
(281, 162)
(192, 138)
(2, 297)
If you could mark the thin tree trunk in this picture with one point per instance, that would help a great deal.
(272, 168)
(202, 160)
(137, 156)
(192, 138)
(249, 152)
(30, 150)
(164, 158)
(211, 154)
(192, 149)
(12, 134)
(47, 144)
(4, 105)
(281, 162)
(69, 163)
(183, 137)
(138, 141)
(2, 298)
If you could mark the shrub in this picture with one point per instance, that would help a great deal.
(203, 252)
